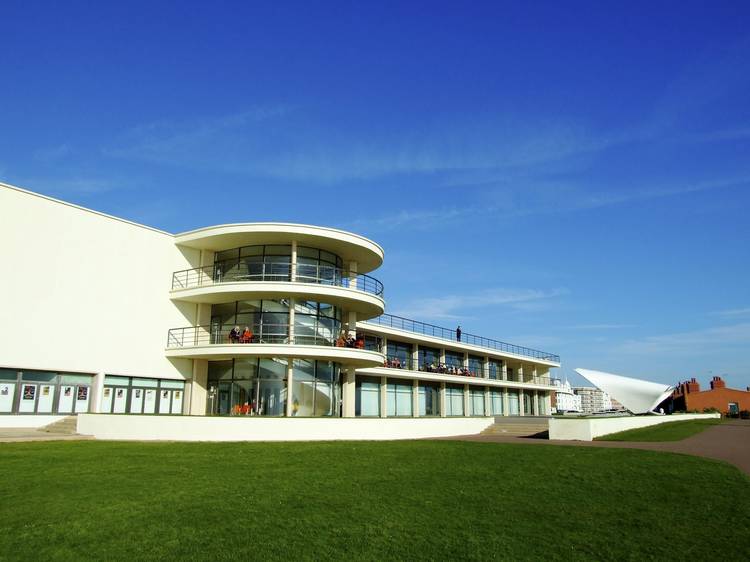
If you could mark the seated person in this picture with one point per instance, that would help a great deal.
(234, 335)
(341, 342)
(359, 343)
(247, 335)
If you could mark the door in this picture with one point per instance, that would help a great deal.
(27, 405)
(46, 399)
(136, 400)
(177, 401)
(65, 402)
(82, 399)
(149, 401)
(7, 394)
(120, 400)
(165, 401)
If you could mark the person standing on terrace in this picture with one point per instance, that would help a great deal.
(458, 333)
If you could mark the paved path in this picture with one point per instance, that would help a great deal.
(728, 441)
(17, 434)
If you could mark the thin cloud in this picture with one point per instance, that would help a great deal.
(599, 326)
(733, 312)
(690, 343)
(454, 307)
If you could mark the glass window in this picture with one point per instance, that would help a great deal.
(476, 402)
(248, 306)
(39, 376)
(226, 255)
(8, 375)
(454, 400)
(496, 369)
(429, 399)
(66, 378)
(278, 250)
(367, 396)
(251, 251)
(513, 407)
(476, 366)
(146, 383)
(454, 359)
(429, 358)
(178, 385)
(399, 399)
(401, 351)
(304, 252)
(496, 402)
(219, 370)
(272, 368)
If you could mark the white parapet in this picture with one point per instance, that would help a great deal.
(36, 422)
(586, 429)
(201, 428)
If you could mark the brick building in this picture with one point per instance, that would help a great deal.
(688, 396)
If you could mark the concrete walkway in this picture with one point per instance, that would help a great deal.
(19, 434)
(728, 441)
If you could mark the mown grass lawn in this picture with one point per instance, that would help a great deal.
(671, 431)
(438, 500)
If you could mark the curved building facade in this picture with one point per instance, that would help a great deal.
(253, 319)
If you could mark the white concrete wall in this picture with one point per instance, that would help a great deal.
(85, 292)
(586, 429)
(10, 421)
(197, 428)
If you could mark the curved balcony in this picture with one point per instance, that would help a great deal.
(239, 279)
(266, 340)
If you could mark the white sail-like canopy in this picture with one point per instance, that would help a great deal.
(636, 395)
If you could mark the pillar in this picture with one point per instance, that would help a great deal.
(521, 408)
(506, 402)
(466, 400)
(293, 270)
(547, 400)
(519, 372)
(504, 371)
(535, 403)
(292, 312)
(198, 400)
(415, 358)
(352, 285)
(349, 394)
(97, 388)
(383, 397)
(487, 402)
(442, 398)
(486, 367)
(415, 399)
(289, 386)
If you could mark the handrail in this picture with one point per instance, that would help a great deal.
(234, 271)
(396, 362)
(391, 321)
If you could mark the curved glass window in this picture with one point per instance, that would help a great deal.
(268, 320)
(254, 263)
(315, 388)
(318, 266)
(250, 387)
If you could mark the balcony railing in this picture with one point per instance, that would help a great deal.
(237, 271)
(395, 362)
(391, 321)
(259, 334)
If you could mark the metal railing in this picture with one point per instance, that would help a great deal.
(442, 369)
(260, 333)
(237, 271)
(423, 328)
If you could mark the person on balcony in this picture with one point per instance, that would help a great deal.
(247, 335)
(234, 335)
(458, 333)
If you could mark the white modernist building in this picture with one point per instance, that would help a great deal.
(102, 315)
(565, 399)
(636, 395)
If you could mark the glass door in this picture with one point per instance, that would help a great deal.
(65, 402)
(7, 394)
(27, 405)
(136, 400)
(82, 399)
(119, 400)
(149, 401)
(46, 398)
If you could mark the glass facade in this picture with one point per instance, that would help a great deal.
(367, 396)
(513, 407)
(429, 358)
(495, 369)
(454, 400)
(318, 266)
(254, 263)
(429, 399)
(496, 402)
(44, 392)
(259, 387)
(399, 399)
(476, 366)
(401, 351)
(454, 359)
(476, 402)
(131, 395)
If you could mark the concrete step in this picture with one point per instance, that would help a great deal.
(522, 426)
(68, 425)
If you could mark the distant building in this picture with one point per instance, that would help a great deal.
(617, 406)
(592, 399)
(688, 396)
(564, 399)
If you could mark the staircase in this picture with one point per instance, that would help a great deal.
(519, 426)
(67, 426)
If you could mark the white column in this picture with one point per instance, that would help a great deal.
(547, 404)
(533, 373)
(442, 399)
(415, 399)
(349, 394)
(383, 397)
(486, 368)
(504, 374)
(519, 370)
(442, 355)
(506, 403)
(466, 400)
(487, 402)
(291, 321)
(198, 388)
(97, 388)
(521, 409)
(289, 385)
(353, 285)
(535, 404)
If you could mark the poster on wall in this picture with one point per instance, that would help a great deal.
(4, 390)
(137, 392)
(107, 392)
(67, 391)
(119, 393)
(83, 393)
(29, 391)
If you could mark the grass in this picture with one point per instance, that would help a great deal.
(671, 431)
(436, 500)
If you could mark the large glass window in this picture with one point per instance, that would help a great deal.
(316, 323)
(476, 366)
(314, 388)
(454, 359)
(253, 263)
(399, 354)
(368, 396)
(496, 369)
(399, 399)
(318, 266)
(513, 408)
(429, 399)
(476, 402)
(126, 395)
(496, 402)
(43, 392)
(528, 400)
(454, 400)
(429, 359)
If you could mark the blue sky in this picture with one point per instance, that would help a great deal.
(569, 176)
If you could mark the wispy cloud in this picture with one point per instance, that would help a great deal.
(584, 327)
(733, 312)
(697, 342)
(454, 307)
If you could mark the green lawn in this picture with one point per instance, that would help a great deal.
(438, 500)
(672, 431)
